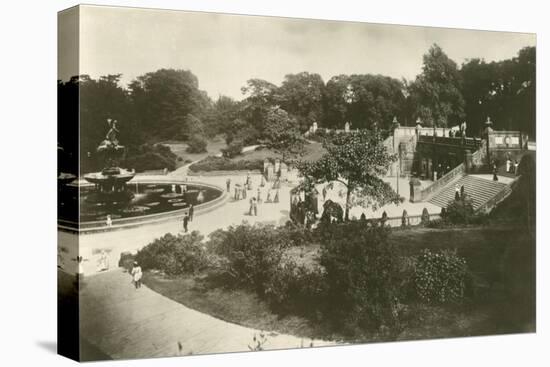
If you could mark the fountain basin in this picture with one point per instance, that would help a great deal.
(133, 212)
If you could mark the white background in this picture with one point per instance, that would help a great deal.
(28, 187)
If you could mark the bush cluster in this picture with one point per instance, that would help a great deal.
(362, 275)
(225, 164)
(197, 144)
(150, 157)
(175, 255)
(440, 277)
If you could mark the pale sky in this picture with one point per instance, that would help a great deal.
(224, 51)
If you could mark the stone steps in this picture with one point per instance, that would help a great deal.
(479, 189)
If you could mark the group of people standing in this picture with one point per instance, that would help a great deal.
(241, 192)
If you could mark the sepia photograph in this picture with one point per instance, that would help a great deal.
(235, 183)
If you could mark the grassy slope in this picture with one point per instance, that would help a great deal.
(502, 259)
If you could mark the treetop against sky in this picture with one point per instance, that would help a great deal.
(226, 50)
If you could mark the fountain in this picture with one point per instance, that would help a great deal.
(110, 183)
(109, 199)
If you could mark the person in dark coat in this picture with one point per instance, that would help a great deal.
(191, 212)
(228, 184)
(185, 222)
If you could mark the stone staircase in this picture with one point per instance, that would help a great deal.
(479, 189)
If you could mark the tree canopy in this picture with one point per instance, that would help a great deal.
(435, 96)
(357, 160)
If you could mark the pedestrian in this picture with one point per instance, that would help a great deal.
(255, 206)
(508, 165)
(250, 208)
(276, 199)
(200, 196)
(109, 221)
(136, 275)
(457, 193)
(262, 182)
(462, 191)
(516, 165)
(191, 212)
(103, 263)
(244, 192)
(268, 199)
(324, 193)
(259, 196)
(185, 222)
(495, 170)
(228, 184)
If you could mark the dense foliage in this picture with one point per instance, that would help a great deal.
(357, 160)
(150, 157)
(168, 105)
(197, 144)
(175, 255)
(440, 277)
(209, 164)
(362, 270)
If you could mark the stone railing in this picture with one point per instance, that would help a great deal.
(471, 143)
(498, 198)
(412, 220)
(458, 171)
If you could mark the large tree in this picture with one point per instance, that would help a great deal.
(357, 160)
(102, 99)
(282, 133)
(363, 100)
(163, 101)
(301, 95)
(503, 90)
(435, 95)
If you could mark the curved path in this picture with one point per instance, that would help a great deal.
(127, 323)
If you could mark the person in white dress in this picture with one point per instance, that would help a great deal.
(136, 275)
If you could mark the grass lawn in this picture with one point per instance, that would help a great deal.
(501, 258)
(312, 151)
(179, 148)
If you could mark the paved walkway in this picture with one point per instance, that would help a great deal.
(127, 323)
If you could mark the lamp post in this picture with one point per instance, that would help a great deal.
(395, 125)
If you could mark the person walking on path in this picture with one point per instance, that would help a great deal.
(457, 193)
(508, 165)
(109, 221)
(185, 222)
(228, 184)
(462, 191)
(136, 275)
(324, 193)
(516, 164)
(276, 199)
(255, 206)
(244, 192)
(259, 196)
(191, 212)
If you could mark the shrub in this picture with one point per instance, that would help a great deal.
(296, 288)
(197, 144)
(425, 218)
(440, 277)
(362, 276)
(460, 211)
(233, 149)
(209, 164)
(252, 254)
(175, 255)
(150, 157)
